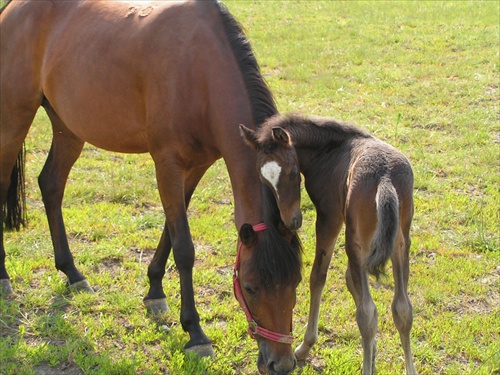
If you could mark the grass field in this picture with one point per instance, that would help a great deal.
(421, 75)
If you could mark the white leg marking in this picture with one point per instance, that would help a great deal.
(271, 172)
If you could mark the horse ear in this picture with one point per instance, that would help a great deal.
(249, 136)
(280, 135)
(248, 236)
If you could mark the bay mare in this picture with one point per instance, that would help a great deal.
(173, 79)
(352, 178)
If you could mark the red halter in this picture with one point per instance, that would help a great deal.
(253, 327)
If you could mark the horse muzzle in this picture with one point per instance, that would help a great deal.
(295, 222)
(272, 364)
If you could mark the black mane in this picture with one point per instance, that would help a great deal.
(278, 256)
(274, 259)
(261, 98)
(317, 133)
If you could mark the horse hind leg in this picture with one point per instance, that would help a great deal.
(12, 213)
(64, 152)
(366, 311)
(14, 125)
(402, 310)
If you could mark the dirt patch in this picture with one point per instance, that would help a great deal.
(67, 368)
(142, 256)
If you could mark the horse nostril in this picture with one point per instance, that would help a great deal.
(270, 367)
(285, 366)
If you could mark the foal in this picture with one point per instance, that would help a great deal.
(352, 178)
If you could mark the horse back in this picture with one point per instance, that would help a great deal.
(112, 67)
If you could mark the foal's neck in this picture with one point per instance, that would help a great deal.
(317, 133)
(318, 137)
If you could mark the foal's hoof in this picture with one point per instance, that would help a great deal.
(156, 306)
(6, 287)
(205, 350)
(81, 286)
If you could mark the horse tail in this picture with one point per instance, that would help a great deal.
(14, 208)
(383, 242)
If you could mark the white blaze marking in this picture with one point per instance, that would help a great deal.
(271, 172)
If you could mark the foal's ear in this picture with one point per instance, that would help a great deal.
(249, 136)
(248, 235)
(280, 135)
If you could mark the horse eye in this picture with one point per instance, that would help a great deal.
(249, 289)
(293, 174)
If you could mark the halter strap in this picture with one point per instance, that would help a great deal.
(253, 328)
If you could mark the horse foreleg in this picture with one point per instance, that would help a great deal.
(326, 236)
(155, 301)
(176, 186)
(366, 311)
(65, 150)
(402, 310)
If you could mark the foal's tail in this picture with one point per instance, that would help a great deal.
(14, 208)
(382, 246)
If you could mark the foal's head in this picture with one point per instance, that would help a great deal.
(278, 168)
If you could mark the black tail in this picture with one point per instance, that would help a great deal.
(14, 209)
(383, 242)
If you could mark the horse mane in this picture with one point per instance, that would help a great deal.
(277, 258)
(318, 133)
(261, 98)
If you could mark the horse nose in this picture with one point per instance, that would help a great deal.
(283, 367)
(296, 222)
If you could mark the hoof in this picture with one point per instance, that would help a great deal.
(301, 352)
(156, 306)
(205, 350)
(81, 286)
(6, 287)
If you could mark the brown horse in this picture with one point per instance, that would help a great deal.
(170, 78)
(352, 178)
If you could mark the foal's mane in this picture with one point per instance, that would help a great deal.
(275, 259)
(318, 133)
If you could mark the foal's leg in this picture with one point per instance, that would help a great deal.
(171, 183)
(402, 311)
(327, 230)
(65, 150)
(366, 311)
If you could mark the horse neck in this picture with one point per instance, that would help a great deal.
(316, 138)
(245, 99)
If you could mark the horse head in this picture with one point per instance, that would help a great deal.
(265, 285)
(278, 168)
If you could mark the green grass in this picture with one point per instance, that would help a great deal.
(420, 75)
